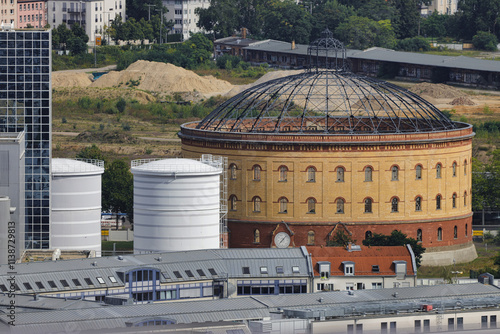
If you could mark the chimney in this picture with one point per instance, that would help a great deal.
(293, 45)
(244, 32)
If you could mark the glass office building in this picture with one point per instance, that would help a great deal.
(25, 104)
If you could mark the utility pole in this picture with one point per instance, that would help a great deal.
(149, 11)
(161, 24)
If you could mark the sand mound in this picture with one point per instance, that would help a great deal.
(162, 78)
(438, 91)
(462, 101)
(70, 79)
(109, 94)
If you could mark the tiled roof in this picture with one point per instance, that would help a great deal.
(383, 256)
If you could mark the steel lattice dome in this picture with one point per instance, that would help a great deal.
(326, 98)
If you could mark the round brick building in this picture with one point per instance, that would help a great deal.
(326, 150)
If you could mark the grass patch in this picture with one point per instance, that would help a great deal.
(120, 245)
(486, 251)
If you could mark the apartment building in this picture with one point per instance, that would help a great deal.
(182, 13)
(8, 12)
(448, 7)
(31, 13)
(95, 16)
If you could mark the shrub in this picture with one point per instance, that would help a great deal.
(84, 102)
(120, 105)
(485, 41)
(126, 127)
(64, 121)
(413, 44)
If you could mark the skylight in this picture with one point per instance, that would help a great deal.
(100, 280)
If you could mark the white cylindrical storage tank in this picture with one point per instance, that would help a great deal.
(176, 205)
(4, 229)
(76, 205)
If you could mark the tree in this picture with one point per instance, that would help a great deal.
(434, 25)
(91, 152)
(413, 44)
(361, 33)
(76, 46)
(377, 10)
(286, 21)
(118, 189)
(478, 15)
(329, 15)
(406, 18)
(397, 238)
(341, 239)
(485, 41)
(139, 9)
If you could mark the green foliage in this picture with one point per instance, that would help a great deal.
(448, 113)
(286, 21)
(117, 188)
(397, 238)
(91, 152)
(413, 44)
(434, 25)
(64, 121)
(485, 41)
(340, 239)
(487, 110)
(361, 33)
(120, 105)
(228, 61)
(126, 127)
(85, 102)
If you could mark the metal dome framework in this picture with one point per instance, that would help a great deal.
(326, 98)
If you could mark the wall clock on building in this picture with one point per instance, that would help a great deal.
(282, 240)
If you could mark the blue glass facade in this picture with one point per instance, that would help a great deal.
(25, 103)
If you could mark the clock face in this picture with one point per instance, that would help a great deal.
(282, 240)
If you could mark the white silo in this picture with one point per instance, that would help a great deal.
(176, 204)
(76, 205)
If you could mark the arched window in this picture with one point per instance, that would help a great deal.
(256, 172)
(256, 204)
(368, 174)
(454, 169)
(283, 205)
(340, 205)
(419, 235)
(368, 205)
(440, 234)
(454, 200)
(418, 172)
(465, 198)
(232, 171)
(394, 204)
(438, 202)
(232, 202)
(283, 173)
(311, 205)
(418, 203)
(455, 232)
(311, 174)
(394, 173)
(256, 236)
(368, 234)
(466, 229)
(465, 167)
(340, 174)
(310, 238)
(438, 171)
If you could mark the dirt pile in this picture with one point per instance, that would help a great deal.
(437, 91)
(110, 94)
(67, 79)
(462, 101)
(114, 137)
(162, 78)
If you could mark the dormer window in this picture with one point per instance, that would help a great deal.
(348, 268)
(263, 270)
(375, 268)
(400, 269)
(324, 269)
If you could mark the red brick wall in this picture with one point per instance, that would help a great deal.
(242, 233)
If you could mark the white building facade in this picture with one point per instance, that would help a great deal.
(182, 13)
(448, 7)
(95, 16)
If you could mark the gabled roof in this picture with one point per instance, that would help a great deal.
(381, 256)
(237, 41)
